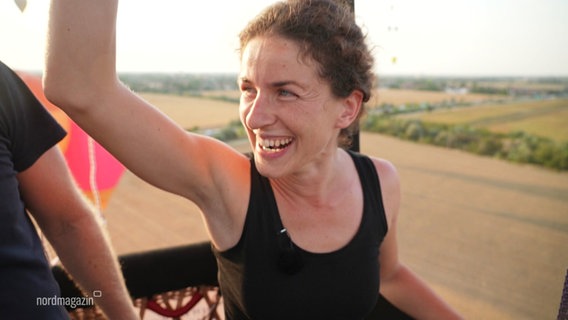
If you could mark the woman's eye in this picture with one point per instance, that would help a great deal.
(247, 91)
(286, 93)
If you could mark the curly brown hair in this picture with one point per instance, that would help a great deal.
(327, 33)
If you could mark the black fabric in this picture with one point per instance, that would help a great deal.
(169, 269)
(164, 270)
(342, 284)
(384, 310)
(26, 132)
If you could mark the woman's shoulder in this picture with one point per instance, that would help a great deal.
(385, 169)
(390, 186)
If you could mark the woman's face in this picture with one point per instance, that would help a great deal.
(290, 115)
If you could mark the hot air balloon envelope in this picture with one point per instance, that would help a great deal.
(95, 170)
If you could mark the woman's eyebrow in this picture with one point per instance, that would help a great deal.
(275, 84)
(278, 84)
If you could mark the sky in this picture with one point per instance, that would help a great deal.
(408, 37)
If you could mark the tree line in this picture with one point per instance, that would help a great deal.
(518, 146)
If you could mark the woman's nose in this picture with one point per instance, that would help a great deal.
(259, 114)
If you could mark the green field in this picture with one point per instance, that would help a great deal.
(544, 118)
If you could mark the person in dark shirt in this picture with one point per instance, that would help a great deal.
(34, 178)
(303, 229)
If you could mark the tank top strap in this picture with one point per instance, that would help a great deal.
(262, 198)
(371, 186)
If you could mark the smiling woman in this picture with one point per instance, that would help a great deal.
(305, 72)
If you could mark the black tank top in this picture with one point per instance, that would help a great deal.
(265, 276)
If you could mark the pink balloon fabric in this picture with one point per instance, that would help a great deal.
(75, 148)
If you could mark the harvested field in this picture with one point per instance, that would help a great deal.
(546, 118)
(192, 112)
(402, 96)
(488, 235)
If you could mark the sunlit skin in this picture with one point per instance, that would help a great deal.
(283, 99)
(293, 122)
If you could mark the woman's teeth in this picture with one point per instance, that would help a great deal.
(275, 144)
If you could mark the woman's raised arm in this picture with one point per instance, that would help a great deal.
(80, 77)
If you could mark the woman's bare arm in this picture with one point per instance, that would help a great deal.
(399, 284)
(80, 77)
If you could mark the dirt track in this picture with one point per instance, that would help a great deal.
(490, 236)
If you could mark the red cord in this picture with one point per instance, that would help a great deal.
(156, 307)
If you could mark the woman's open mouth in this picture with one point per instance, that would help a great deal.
(275, 145)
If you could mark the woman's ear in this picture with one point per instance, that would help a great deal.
(351, 105)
